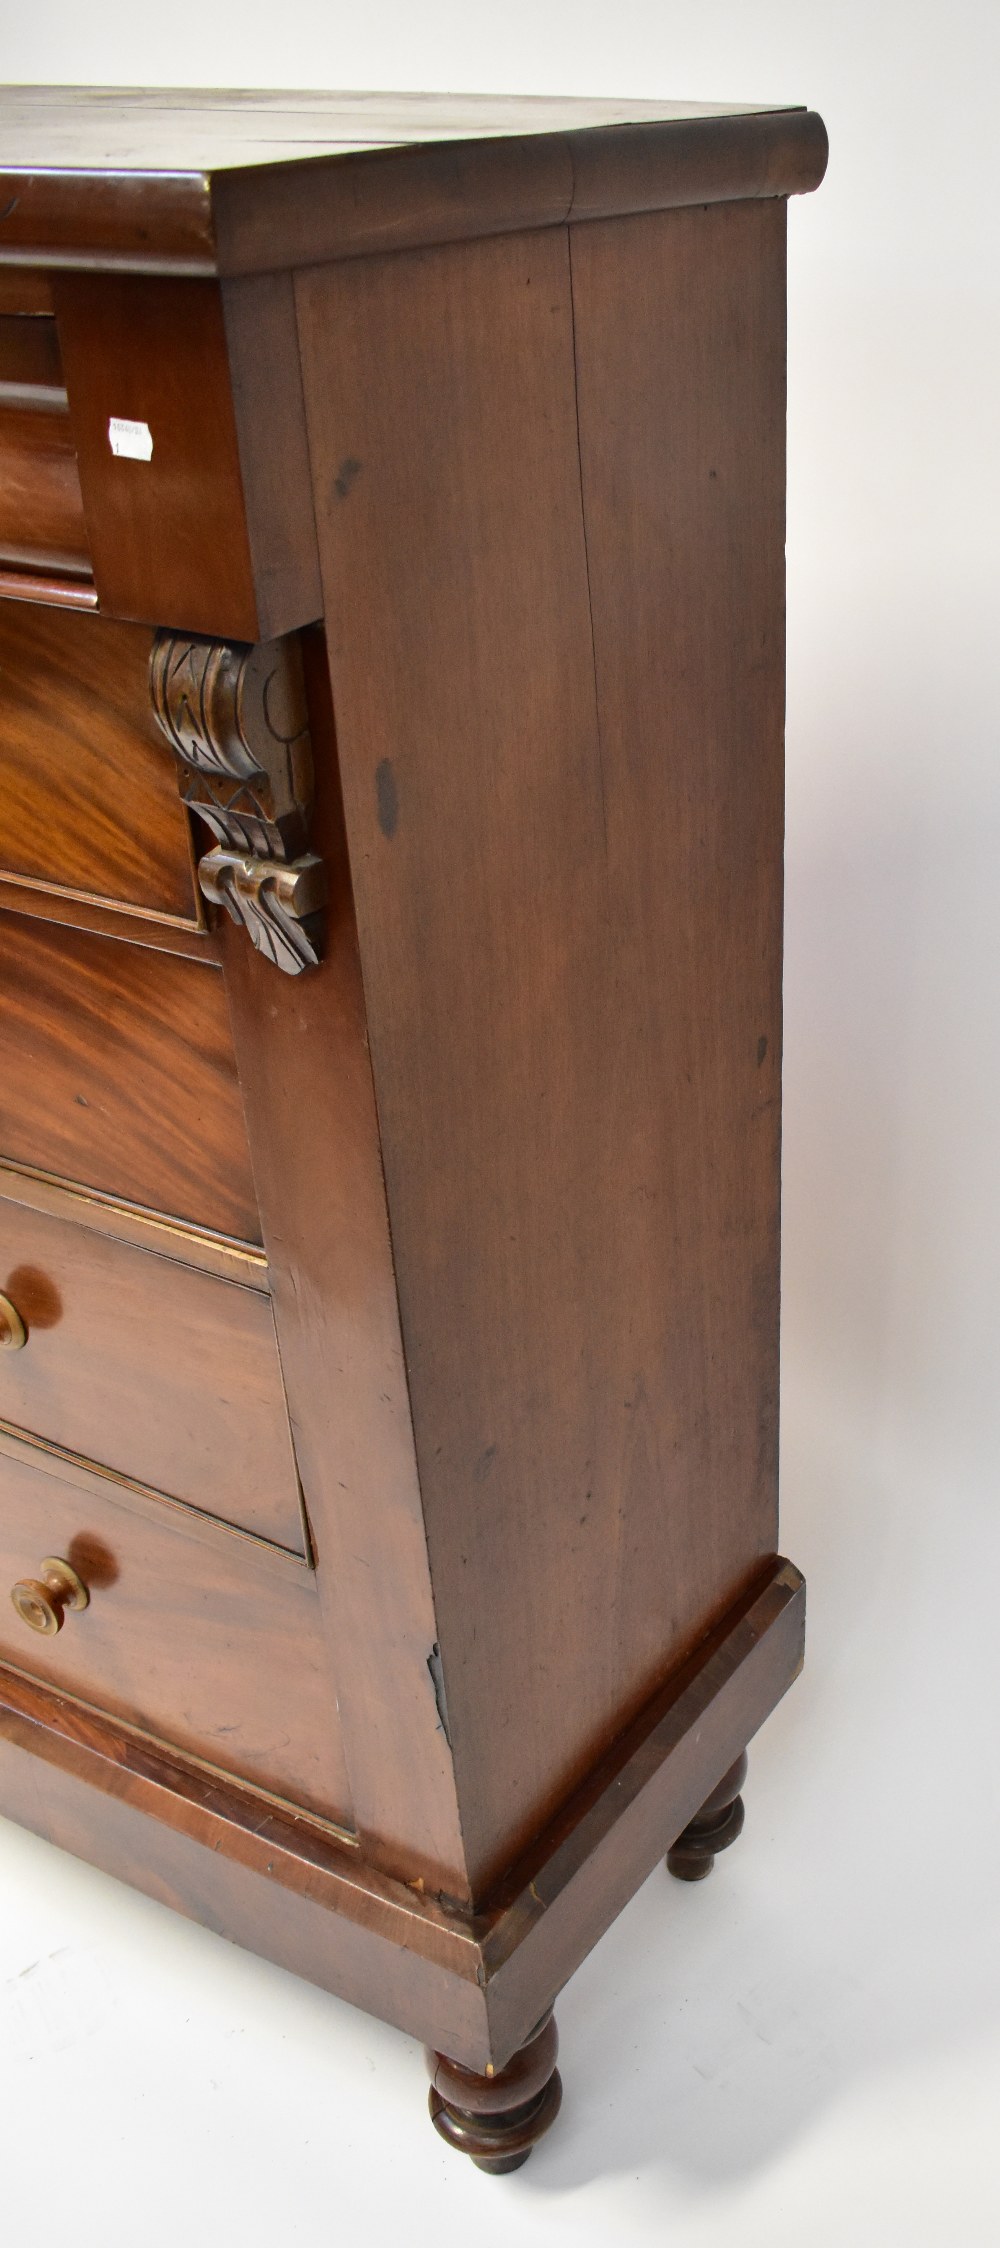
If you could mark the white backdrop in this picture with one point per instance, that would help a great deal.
(808, 2048)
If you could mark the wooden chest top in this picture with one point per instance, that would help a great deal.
(228, 183)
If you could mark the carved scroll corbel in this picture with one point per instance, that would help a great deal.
(236, 717)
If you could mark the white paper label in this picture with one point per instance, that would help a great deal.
(130, 440)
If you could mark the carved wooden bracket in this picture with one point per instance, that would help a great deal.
(236, 718)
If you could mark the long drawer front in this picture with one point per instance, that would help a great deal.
(206, 1641)
(119, 1072)
(89, 804)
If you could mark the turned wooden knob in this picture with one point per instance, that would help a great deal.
(42, 1601)
(13, 1332)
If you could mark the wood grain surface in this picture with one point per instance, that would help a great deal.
(474, 1985)
(555, 1905)
(42, 523)
(362, 204)
(567, 866)
(33, 1189)
(263, 351)
(25, 293)
(88, 789)
(168, 535)
(222, 1856)
(306, 1077)
(144, 1365)
(48, 587)
(255, 182)
(214, 533)
(119, 1073)
(211, 1646)
(71, 909)
(29, 354)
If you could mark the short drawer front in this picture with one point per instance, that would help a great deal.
(213, 1645)
(89, 802)
(163, 1374)
(119, 1072)
(42, 523)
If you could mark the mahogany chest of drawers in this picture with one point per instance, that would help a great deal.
(391, 692)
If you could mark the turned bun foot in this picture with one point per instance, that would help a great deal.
(718, 1823)
(496, 2120)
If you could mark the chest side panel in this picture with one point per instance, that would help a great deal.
(567, 865)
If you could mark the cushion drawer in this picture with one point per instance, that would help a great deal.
(206, 1640)
(87, 784)
(206, 522)
(166, 1375)
(119, 1072)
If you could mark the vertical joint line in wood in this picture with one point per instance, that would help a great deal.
(583, 527)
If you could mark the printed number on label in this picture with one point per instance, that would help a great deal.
(130, 440)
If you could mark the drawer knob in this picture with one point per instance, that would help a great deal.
(13, 1332)
(42, 1601)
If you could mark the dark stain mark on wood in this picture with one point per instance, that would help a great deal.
(761, 1050)
(387, 797)
(485, 1462)
(347, 474)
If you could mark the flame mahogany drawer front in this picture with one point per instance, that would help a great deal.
(91, 807)
(391, 841)
(166, 1375)
(119, 1073)
(204, 1640)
